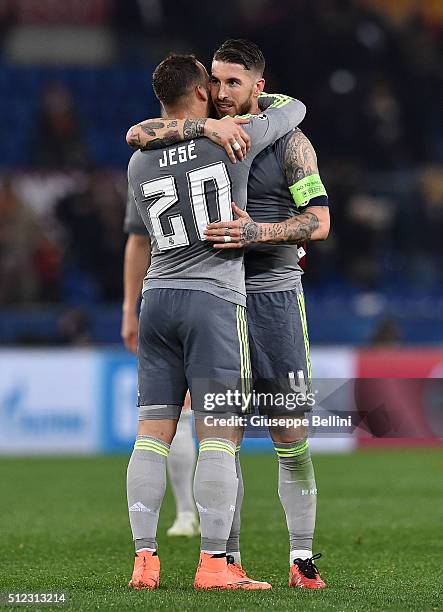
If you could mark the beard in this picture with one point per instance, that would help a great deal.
(245, 107)
(242, 108)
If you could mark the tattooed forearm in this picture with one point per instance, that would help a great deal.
(169, 138)
(292, 231)
(300, 159)
(158, 133)
(133, 138)
(244, 231)
(150, 127)
(193, 128)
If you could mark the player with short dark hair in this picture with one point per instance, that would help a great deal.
(192, 330)
(242, 52)
(287, 206)
(175, 76)
(172, 80)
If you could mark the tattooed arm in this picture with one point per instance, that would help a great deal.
(159, 133)
(295, 230)
(244, 231)
(300, 162)
(312, 224)
(300, 166)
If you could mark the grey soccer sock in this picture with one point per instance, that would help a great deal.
(181, 464)
(215, 492)
(298, 494)
(146, 485)
(233, 543)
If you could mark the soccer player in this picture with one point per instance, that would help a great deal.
(192, 327)
(287, 204)
(182, 455)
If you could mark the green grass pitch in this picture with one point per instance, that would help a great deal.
(64, 527)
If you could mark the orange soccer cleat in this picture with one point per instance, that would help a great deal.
(239, 573)
(305, 575)
(214, 573)
(146, 574)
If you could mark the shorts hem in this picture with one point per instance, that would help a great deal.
(150, 412)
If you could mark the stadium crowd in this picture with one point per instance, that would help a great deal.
(371, 85)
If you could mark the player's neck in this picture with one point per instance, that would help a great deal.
(254, 108)
(185, 112)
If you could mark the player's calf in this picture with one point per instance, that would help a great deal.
(146, 484)
(215, 492)
(297, 490)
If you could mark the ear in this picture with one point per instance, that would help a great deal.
(259, 87)
(201, 93)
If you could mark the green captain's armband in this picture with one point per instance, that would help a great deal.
(307, 188)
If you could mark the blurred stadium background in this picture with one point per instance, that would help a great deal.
(75, 75)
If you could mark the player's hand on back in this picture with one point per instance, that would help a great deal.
(129, 331)
(229, 134)
(234, 234)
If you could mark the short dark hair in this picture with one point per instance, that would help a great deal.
(175, 76)
(243, 52)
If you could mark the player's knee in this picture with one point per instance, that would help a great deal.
(214, 429)
(162, 429)
(287, 435)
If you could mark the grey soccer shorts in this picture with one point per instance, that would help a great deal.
(279, 345)
(191, 339)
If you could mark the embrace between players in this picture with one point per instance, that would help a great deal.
(189, 179)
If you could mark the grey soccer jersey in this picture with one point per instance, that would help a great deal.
(271, 267)
(180, 189)
(133, 223)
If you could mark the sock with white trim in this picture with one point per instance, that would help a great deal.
(146, 486)
(297, 490)
(215, 492)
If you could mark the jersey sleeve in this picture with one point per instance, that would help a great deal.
(282, 115)
(308, 191)
(133, 223)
